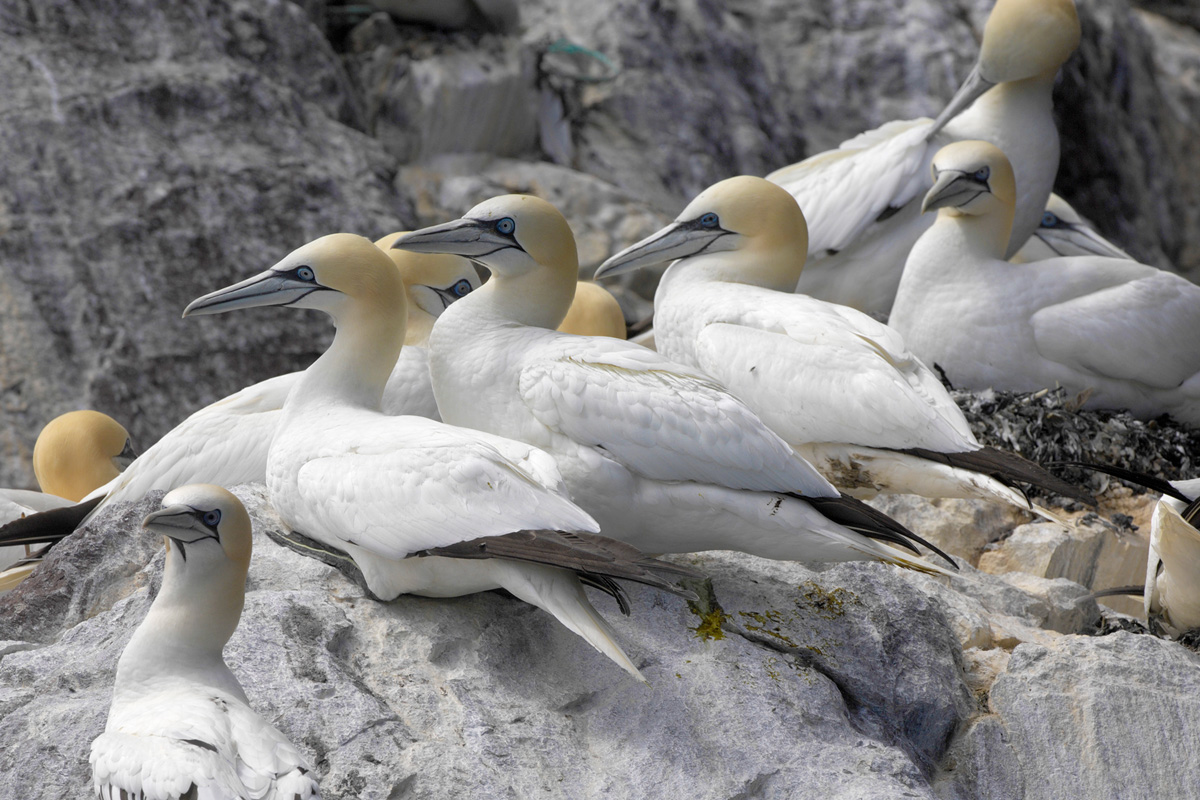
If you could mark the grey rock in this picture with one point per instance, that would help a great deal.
(152, 153)
(1068, 712)
(846, 681)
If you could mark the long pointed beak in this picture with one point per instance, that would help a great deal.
(462, 237)
(1078, 239)
(968, 93)
(178, 523)
(952, 188)
(268, 288)
(672, 242)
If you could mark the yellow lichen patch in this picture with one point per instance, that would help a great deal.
(768, 624)
(710, 624)
(827, 603)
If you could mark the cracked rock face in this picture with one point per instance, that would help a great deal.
(850, 681)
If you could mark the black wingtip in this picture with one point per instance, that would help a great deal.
(46, 526)
(1009, 468)
(1113, 592)
(871, 522)
(1152, 482)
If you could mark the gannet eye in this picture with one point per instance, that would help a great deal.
(983, 174)
(709, 220)
(306, 274)
(1049, 220)
(506, 226)
(462, 288)
(211, 518)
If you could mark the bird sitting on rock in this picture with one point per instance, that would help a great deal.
(839, 387)
(180, 725)
(660, 454)
(1120, 333)
(422, 507)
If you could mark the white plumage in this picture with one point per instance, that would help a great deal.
(861, 199)
(180, 725)
(385, 489)
(1172, 595)
(660, 454)
(1120, 331)
(838, 386)
(226, 442)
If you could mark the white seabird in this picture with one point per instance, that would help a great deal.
(74, 453)
(226, 442)
(180, 725)
(1172, 595)
(862, 200)
(484, 511)
(1124, 333)
(839, 387)
(1063, 232)
(660, 454)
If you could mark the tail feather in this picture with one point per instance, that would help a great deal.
(560, 593)
(596, 558)
(870, 522)
(46, 526)
(1008, 468)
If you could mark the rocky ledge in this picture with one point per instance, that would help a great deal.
(844, 681)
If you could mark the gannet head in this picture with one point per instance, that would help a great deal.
(746, 214)
(1063, 232)
(973, 181)
(80, 451)
(431, 282)
(1022, 39)
(206, 523)
(332, 274)
(208, 536)
(524, 241)
(594, 312)
(971, 178)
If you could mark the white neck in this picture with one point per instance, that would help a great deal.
(355, 368)
(184, 633)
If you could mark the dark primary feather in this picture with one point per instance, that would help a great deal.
(46, 526)
(1152, 482)
(871, 522)
(1113, 592)
(596, 559)
(1008, 468)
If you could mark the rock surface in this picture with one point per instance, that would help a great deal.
(848, 681)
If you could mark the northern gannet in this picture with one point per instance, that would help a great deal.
(226, 442)
(660, 454)
(1063, 232)
(862, 200)
(180, 725)
(593, 312)
(1123, 332)
(74, 453)
(1172, 595)
(839, 387)
(484, 511)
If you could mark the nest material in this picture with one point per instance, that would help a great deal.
(1048, 426)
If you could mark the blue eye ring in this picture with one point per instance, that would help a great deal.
(506, 226)
(983, 174)
(1050, 220)
(462, 288)
(306, 274)
(710, 220)
(211, 518)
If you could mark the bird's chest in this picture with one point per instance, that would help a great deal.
(476, 380)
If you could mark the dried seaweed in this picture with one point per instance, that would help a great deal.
(1048, 426)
